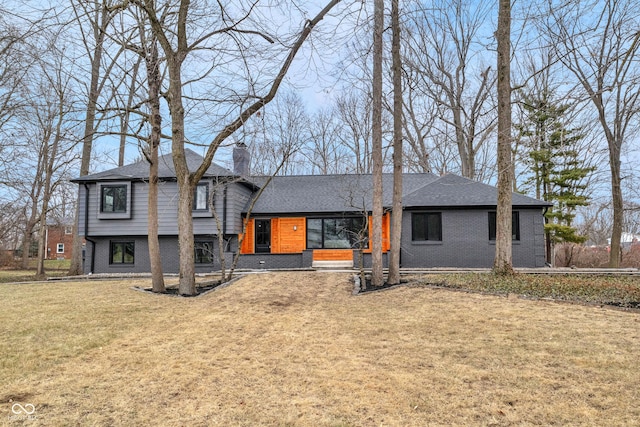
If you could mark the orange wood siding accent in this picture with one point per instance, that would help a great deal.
(386, 233)
(275, 235)
(333, 255)
(286, 240)
(248, 242)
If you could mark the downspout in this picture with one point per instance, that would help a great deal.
(549, 257)
(224, 211)
(224, 220)
(86, 228)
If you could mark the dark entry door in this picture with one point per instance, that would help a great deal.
(263, 235)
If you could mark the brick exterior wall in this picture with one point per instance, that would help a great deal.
(59, 242)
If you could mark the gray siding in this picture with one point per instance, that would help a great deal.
(81, 209)
(237, 199)
(137, 211)
(465, 241)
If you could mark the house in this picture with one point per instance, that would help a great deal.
(58, 241)
(298, 221)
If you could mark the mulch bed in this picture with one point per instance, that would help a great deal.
(370, 288)
(201, 289)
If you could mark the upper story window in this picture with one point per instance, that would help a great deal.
(113, 198)
(426, 226)
(515, 225)
(201, 197)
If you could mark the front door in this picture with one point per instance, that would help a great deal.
(263, 235)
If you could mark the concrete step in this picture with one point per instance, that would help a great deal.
(332, 264)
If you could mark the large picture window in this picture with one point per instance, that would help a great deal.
(113, 199)
(203, 252)
(121, 253)
(426, 226)
(201, 197)
(336, 233)
(515, 225)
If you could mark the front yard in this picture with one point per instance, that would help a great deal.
(297, 349)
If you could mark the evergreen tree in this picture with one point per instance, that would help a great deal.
(558, 172)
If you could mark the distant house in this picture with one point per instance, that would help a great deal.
(59, 241)
(298, 221)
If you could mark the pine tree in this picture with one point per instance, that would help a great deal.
(558, 172)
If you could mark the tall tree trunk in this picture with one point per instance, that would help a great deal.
(50, 155)
(503, 262)
(28, 237)
(186, 187)
(618, 209)
(89, 129)
(377, 276)
(396, 216)
(155, 120)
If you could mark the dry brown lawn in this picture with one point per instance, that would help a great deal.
(297, 349)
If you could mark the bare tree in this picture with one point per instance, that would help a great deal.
(55, 138)
(93, 20)
(444, 50)
(45, 139)
(503, 262)
(396, 217)
(179, 44)
(154, 81)
(598, 42)
(324, 151)
(377, 278)
(270, 134)
(355, 113)
(419, 117)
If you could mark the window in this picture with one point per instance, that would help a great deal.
(515, 225)
(201, 197)
(203, 252)
(68, 229)
(426, 226)
(121, 252)
(60, 248)
(113, 198)
(336, 233)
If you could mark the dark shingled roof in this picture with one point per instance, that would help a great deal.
(328, 193)
(452, 190)
(333, 193)
(347, 193)
(140, 170)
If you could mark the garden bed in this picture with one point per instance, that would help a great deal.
(616, 291)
